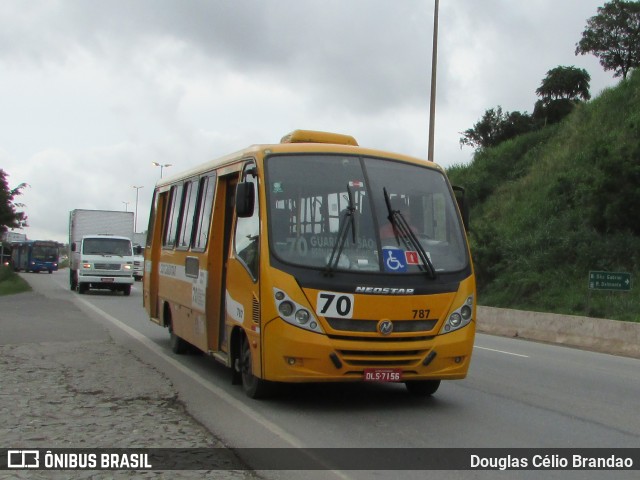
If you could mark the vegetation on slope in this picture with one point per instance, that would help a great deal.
(552, 205)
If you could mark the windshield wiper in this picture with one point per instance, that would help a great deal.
(347, 221)
(403, 230)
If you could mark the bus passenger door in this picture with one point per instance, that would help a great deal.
(241, 289)
(153, 249)
(218, 257)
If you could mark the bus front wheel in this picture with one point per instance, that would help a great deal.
(253, 386)
(178, 345)
(423, 388)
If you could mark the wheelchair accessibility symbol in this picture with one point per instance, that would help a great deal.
(394, 260)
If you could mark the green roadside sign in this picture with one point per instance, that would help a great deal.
(619, 281)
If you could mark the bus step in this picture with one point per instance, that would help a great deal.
(221, 357)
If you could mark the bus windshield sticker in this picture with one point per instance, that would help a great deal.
(394, 260)
(277, 187)
(412, 257)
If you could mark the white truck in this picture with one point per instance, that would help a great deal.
(101, 254)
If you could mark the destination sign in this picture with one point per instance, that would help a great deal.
(620, 281)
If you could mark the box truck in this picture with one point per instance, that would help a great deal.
(101, 255)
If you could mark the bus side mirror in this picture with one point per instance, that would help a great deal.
(245, 199)
(137, 250)
(73, 247)
(463, 205)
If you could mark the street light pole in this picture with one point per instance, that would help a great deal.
(156, 164)
(135, 218)
(434, 64)
(126, 205)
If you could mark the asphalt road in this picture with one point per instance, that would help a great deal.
(518, 394)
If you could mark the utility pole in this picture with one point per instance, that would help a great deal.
(135, 218)
(434, 65)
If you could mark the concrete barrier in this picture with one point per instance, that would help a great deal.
(607, 336)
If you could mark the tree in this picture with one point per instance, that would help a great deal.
(9, 217)
(559, 92)
(495, 127)
(570, 83)
(613, 35)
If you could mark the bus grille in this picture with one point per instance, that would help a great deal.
(391, 358)
(107, 266)
(371, 326)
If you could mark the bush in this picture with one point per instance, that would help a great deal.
(11, 283)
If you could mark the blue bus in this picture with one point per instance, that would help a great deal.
(35, 256)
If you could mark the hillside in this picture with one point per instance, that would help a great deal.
(550, 206)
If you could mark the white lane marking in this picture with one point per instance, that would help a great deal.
(269, 425)
(502, 351)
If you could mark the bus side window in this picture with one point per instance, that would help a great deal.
(172, 217)
(187, 213)
(205, 207)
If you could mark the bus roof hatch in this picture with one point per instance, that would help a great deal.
(312, 136)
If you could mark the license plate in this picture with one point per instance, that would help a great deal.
(382, 375)
(107, 280)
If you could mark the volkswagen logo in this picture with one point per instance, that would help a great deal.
(385, 327)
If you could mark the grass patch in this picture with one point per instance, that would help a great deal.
(11, 283)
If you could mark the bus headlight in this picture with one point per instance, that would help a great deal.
(286, 308)
(459, 318)
(302, 316)
(294, 313)
(455, 320)
(465, 311)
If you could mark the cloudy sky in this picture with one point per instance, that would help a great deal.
(92, 92)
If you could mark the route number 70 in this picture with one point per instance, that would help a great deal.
(331, 304)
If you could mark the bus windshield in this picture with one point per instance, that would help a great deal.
(362, 214)
(45, 252)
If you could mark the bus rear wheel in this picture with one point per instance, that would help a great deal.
(423, 388)
(253, 386)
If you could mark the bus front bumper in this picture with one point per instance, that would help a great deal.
(291, 354)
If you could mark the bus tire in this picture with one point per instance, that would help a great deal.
(178, 345)
(253, 386)
(82, 288)
(423, 388)
(126, 290)
(73, 283)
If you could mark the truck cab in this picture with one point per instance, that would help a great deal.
(102, 262)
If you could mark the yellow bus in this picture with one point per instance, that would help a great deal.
(314, 260)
